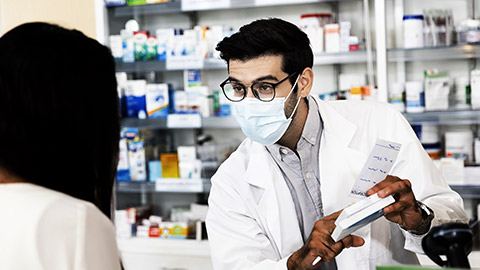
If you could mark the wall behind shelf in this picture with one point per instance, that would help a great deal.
(67, 13)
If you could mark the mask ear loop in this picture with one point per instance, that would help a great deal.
(298, 101)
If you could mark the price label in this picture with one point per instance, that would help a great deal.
(188, 5)
(182, 62)
(184, 121)
(179, 185)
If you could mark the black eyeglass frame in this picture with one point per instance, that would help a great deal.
(255, 93)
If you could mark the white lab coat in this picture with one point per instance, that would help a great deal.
(252, 222)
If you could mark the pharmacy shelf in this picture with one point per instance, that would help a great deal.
(434, 53)
(166, 185)
(160, 66)
(176, 7)
(161, 123)
(219, 64)
(469, 117)
(155, 253)
(467, 191)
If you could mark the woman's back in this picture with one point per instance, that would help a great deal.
(45, 229)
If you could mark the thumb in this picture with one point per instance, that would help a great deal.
(352, 241)
(357, 241)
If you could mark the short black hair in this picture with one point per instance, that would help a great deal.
(59, 120)
(268, 37)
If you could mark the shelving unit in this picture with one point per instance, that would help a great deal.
(154, 254)
(154, 248)
(176, 6)
(161, 123)
(467, 117)
(166, 185)
(467, 191)
(218, 64)
(457, 52)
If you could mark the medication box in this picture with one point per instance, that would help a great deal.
(174, 230)
(136, 155)
(157, 100)
(123, 168)
(169, 165)
(135, 98)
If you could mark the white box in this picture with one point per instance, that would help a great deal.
(187, 153)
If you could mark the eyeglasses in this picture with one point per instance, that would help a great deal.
(264, 91)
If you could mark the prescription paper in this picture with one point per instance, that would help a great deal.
(379, 163)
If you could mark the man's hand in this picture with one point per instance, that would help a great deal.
(405, 210)
(320, 243)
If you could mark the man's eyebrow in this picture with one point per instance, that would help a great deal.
(263, 78)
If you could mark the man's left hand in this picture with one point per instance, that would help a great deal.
(405, 211)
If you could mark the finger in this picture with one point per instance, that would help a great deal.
(397, 207)
(337, 247)
(389, 179)
(326, 253)
(353, 241)
(324, 226)
(400, 187)
(333, 216)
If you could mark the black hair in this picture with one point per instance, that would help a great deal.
(268, 37)
(59, 120)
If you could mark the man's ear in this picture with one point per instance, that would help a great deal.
(305, 82)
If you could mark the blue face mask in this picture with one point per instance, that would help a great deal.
(263, 122)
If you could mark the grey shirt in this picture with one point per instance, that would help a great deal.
(301, 172)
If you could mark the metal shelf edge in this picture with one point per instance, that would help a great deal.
(176, 7)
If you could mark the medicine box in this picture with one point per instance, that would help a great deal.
(123, 168)
(174, 230)
(186, 153)
(135, 98)
(169, 165)
(157, 100)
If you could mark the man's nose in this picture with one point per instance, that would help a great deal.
(250, 92)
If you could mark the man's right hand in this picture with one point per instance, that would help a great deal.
(320, 243)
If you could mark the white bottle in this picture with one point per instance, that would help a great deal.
(413, 31)
(414, 97)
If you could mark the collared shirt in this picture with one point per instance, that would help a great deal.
(301, 172)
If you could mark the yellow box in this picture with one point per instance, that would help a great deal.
(169, 165)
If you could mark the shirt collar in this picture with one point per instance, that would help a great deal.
(313, 122)
(310, 131)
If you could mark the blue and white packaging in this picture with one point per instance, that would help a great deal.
(112, 3)
(136, 155)
(192, 78)
(180, 101)
(136, 158)
(123, 168)
(198, 101)
(127, 46)
(135, 99)
(157, 100)
(164, 38)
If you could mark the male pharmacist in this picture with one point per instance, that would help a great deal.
(274, 201)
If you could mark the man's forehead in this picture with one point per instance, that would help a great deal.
(256, 68)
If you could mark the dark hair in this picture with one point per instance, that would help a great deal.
(59, 121)
(271, 36)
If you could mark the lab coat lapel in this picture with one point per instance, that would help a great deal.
(340, 162)
(275, 207)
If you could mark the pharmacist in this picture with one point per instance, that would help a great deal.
(274, 201)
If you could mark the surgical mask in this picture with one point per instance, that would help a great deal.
(263, 122)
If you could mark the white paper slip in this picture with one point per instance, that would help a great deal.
(360, 214)
(376, 168)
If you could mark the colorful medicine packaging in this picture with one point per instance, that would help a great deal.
(157, 100)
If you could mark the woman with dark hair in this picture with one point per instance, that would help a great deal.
(59, 133)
